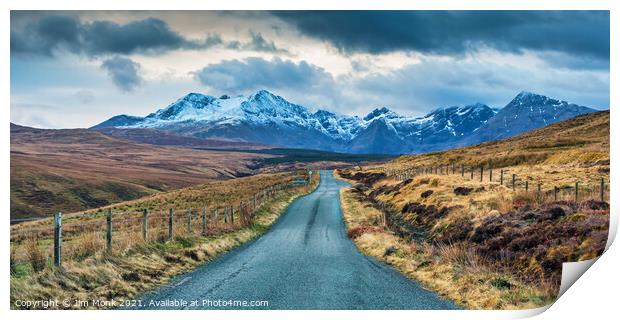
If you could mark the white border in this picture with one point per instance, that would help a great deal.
(594, 295)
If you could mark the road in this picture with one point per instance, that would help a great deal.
(305, 261)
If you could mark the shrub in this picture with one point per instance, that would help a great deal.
(457, 231)
(88, 245)
(356, 232)
(462, 191)
(35, 256)
(426, 193)
(501, 283)
(13, 260)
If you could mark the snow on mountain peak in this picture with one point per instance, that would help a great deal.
(267, 118)
(381, 112)
(264, 108)
(526, 102)
(526, 97)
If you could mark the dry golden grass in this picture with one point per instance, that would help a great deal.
(135, 265)
(580, 141)
(583, 159)
(453, 271)
(463, 235)
(84, 232)
(35, 255)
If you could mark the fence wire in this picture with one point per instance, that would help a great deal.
(83, 235)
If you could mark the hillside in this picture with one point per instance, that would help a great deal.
(76, 169)
(470, 232)
(576, 142)
(166, 138)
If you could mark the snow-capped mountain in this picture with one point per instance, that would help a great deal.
(527, 111)
(266, 118)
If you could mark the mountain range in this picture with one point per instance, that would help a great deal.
(268, 119)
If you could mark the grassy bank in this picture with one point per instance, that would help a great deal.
(453, 271)
(123, 274)
(476, 239)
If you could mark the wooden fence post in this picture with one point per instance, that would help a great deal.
(555, 193)
(109, 231)
(170, 222)
(225, 214)
(232, 215)
(514, 177)
(57, 239)
(471, 169)
(462, 170)
(501, 177)
(204, 220)
(602, 189)
(577, 191)
(490, 174)
(453, 168)
(145, 224)
(526, 185)
(385, 220)
(189, 221)
(481, 172)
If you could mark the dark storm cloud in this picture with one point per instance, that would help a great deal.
(457, 32)
(437, 82)
(124, 72)
(48, 33)
(257, 43)
(257, 73)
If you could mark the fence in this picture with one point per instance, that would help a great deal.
(82, 234)
(580, 190)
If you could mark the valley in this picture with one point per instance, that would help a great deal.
(73, 170)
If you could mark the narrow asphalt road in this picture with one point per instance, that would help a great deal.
(305, 261)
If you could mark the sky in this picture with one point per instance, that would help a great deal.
(72, 69)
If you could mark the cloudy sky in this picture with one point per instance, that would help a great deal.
(76, 69)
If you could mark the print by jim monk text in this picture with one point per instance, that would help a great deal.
(137, 303)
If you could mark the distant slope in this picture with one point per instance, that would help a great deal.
(76, 169)
(527, 111)
(119, 121)
(167, 138)
(577, 142)
(286, 155)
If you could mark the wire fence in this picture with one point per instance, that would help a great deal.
(48, 241)
(591, 188)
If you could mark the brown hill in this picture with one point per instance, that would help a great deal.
(167, 138)
(582, 140)
(76, 169)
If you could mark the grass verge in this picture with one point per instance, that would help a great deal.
(454, 271)
(104, 280)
